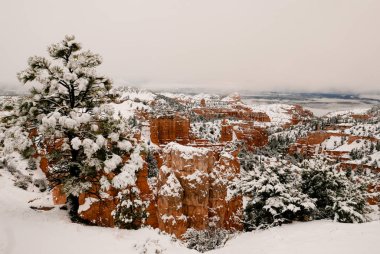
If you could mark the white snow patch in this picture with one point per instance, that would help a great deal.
(87, 204)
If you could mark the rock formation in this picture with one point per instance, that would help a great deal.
(246, 132)
(193, 190)
(194, 186)
(170, 128)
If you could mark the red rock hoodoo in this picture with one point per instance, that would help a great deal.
(166, 129)
(193, 190)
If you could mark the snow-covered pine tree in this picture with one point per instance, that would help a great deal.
(276, 196)
(13, 137)
(339, 195)
(77, 131)
(130, 213)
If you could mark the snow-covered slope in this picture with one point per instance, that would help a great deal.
(278, 113)
(128, 108)
(131, 93)
(23, 230)
(355, 111)
(365, 130)
(314, 237)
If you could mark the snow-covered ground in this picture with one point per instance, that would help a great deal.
(23, 230)
(278, 113)
(309, 237)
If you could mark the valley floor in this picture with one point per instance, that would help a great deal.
(23, 230)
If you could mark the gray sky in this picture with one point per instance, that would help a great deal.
(309, 45)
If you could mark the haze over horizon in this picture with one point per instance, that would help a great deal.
(280, 45)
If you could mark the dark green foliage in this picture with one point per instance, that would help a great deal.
(28, 152)
(371, 148)
(167, 105)
(40, 184)
(132, 121)
(338, 196)
(378, 146)
(8, 107)
(32, 164)
(276, 197)
(130, 212)
(356, 154)
(205, 240)
(321, 185)
(22, 181)
(152, 165)
(280, 143)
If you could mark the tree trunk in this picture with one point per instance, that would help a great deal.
(73, 206)
(73, 201)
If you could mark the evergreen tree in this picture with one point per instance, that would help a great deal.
(130, 211)
(74, 127)
(276, 197)
(152, 164)
(378, 146)
(371, 148)
(339, 195)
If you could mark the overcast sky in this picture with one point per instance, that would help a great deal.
(308, 45)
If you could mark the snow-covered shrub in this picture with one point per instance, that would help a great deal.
(32, 164)
(280, 139)
(377, 147)
(130, 211)
(209, 130)
(18, 167)
(152, 164)
(338, 195)
(275, 196)
(247, 159)
(23, 181)
(15, 138)
(205, 240)
(150, 246)
(40, 184)
(165, 104)
(356, 154)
